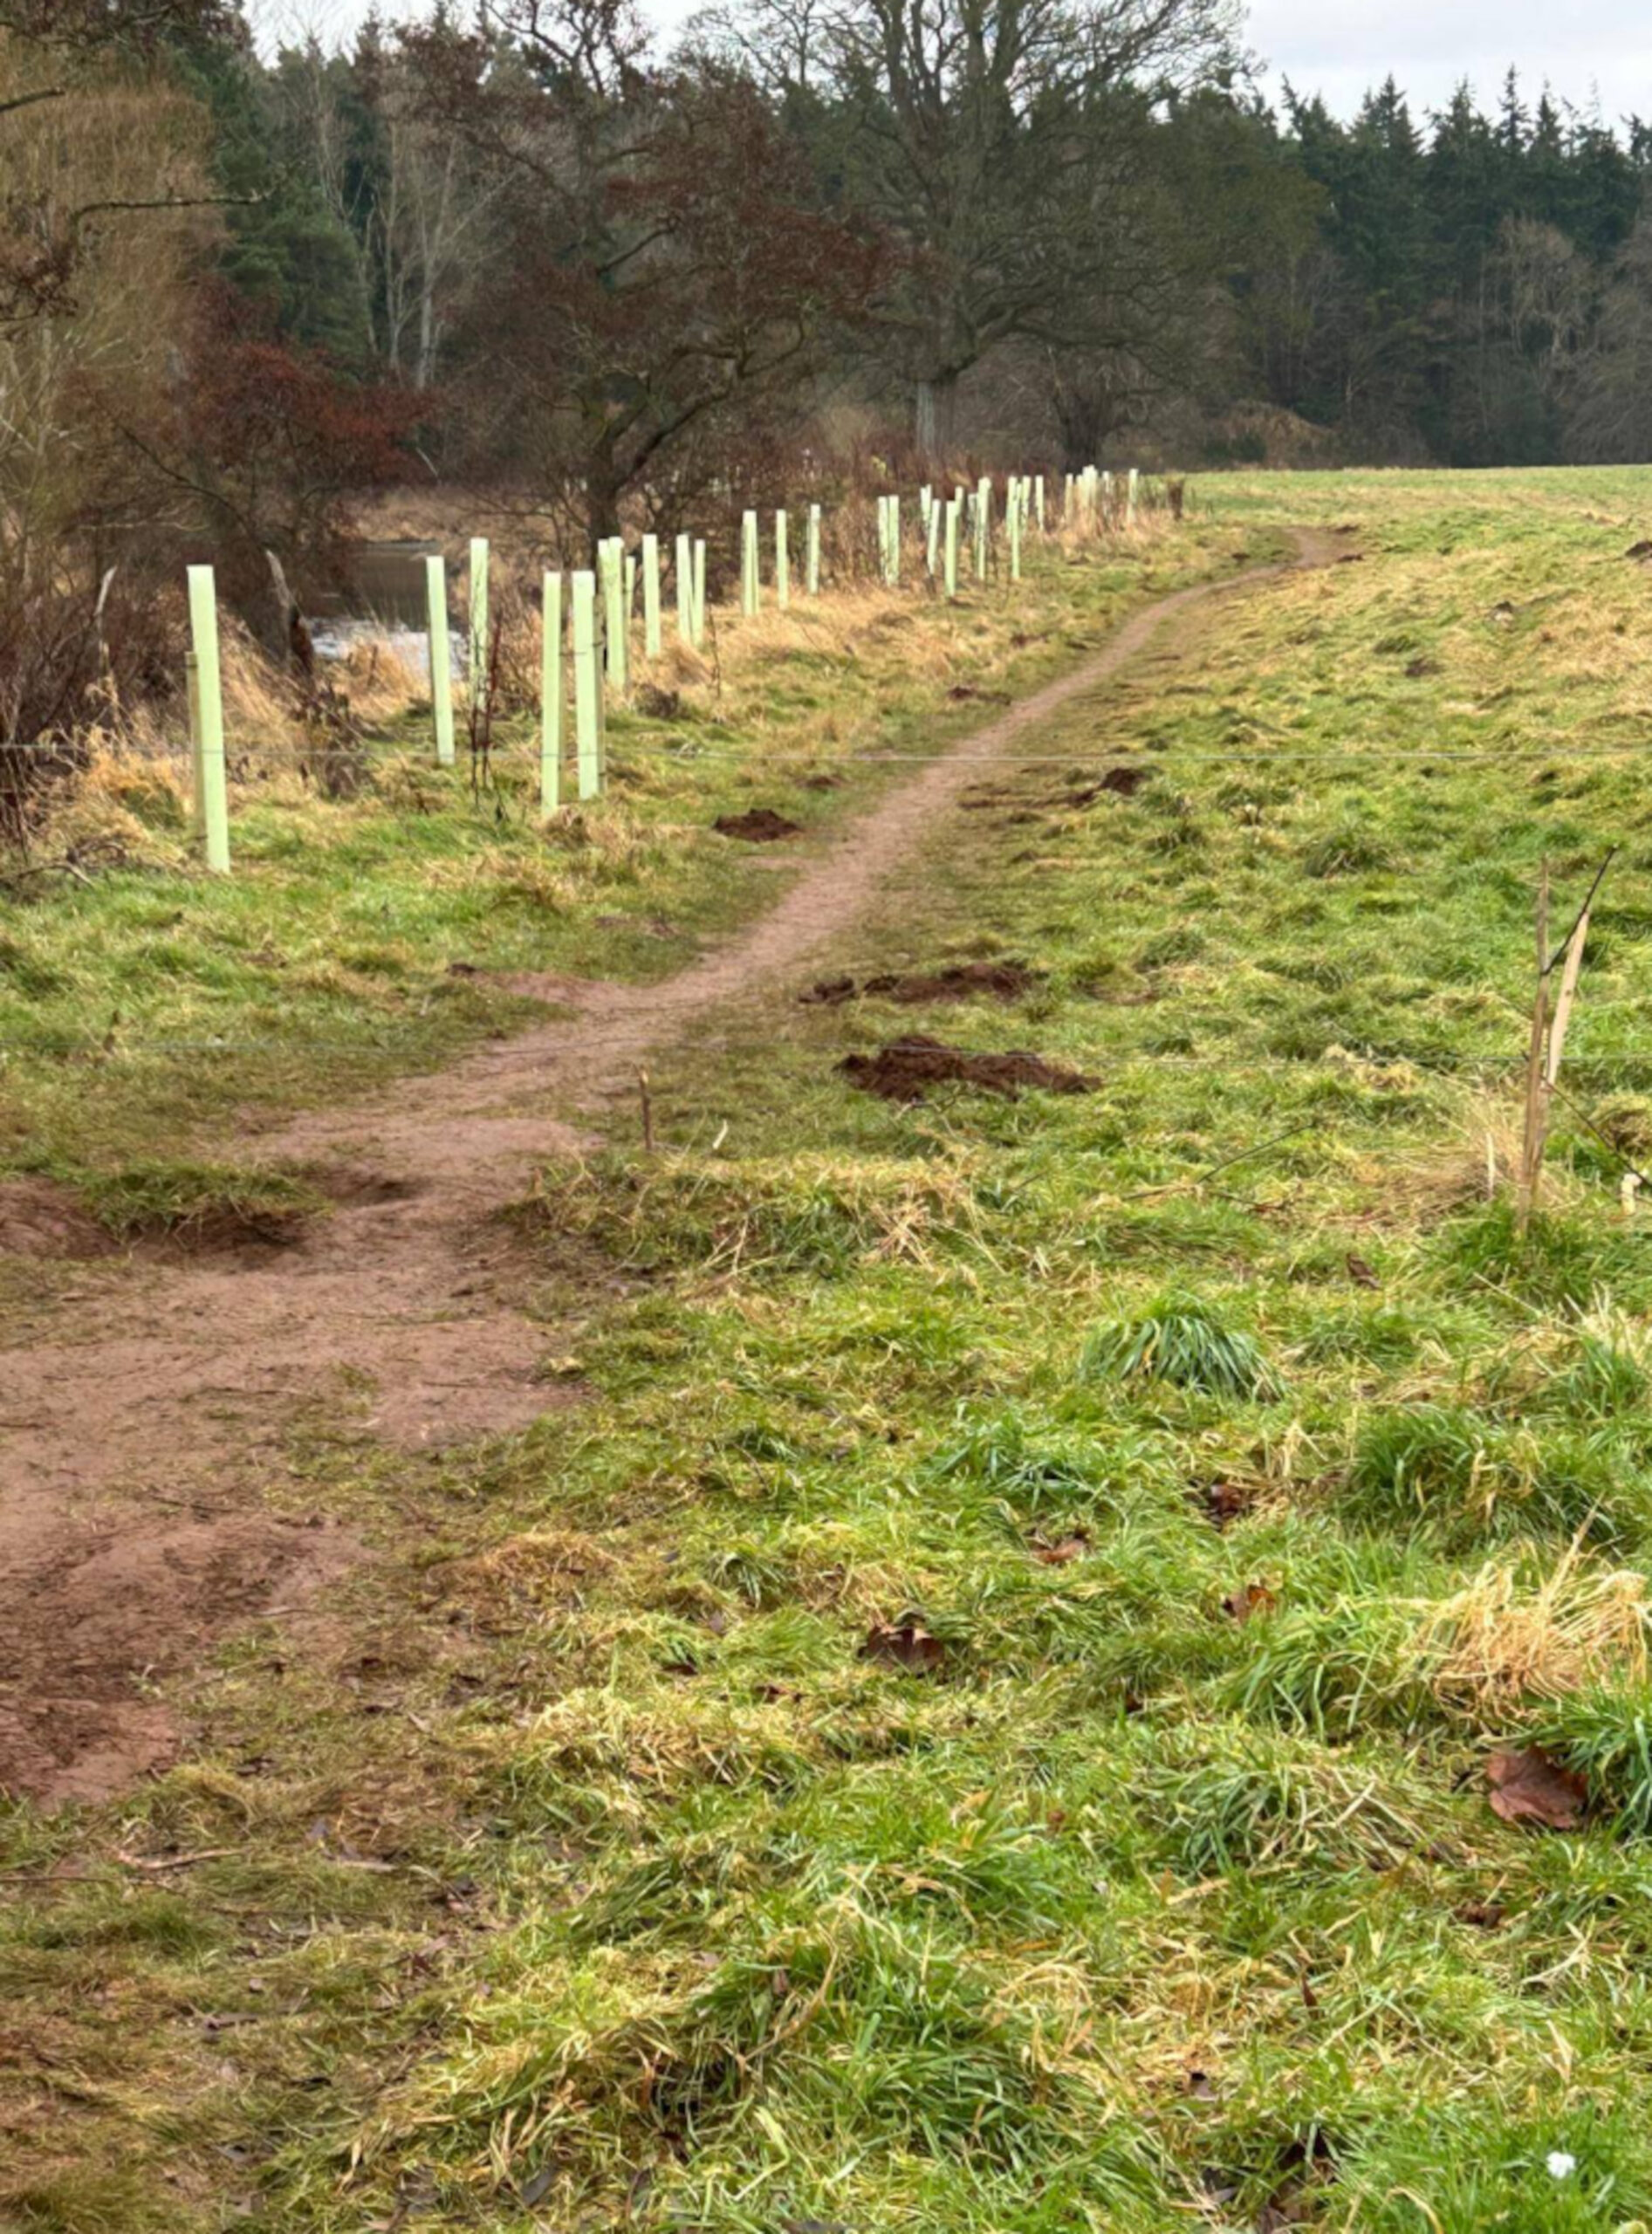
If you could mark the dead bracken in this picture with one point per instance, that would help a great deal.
(906, 1070)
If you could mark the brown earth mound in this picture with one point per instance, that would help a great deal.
(1124, 782)
(963, 981)
(761, 825)
(907, 1069)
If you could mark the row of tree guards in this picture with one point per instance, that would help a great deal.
(601, 616)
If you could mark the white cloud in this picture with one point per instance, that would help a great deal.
(1340, 47)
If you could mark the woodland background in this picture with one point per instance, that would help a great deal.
(600, 285)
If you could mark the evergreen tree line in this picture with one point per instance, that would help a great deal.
(1470, 286)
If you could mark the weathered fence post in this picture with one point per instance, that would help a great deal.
(435, 602)
(782, 563)
(212, 803)
(477, 588)
(751, 591)
(952, 548)
(551, 697)
(651, 641)
(587, 684)
(685, 589)
(812, 562)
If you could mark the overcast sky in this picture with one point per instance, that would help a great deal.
(1339, 47)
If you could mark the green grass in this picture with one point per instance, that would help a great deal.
(1250, 1473)
(359, 939)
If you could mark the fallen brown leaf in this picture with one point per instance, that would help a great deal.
(1061, 1555)
(1227, 1500)
(1360, 1273)
(908, 1643)
(1254, 1598)
(1528, 1785)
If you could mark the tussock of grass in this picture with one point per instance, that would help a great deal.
(184, 1199)
(1184, 1342)
(819, 1214)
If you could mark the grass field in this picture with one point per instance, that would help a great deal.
(982, 1719)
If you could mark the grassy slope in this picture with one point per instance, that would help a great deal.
(148, 1006)
(1128, 1909)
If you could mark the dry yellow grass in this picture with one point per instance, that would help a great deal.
(1505, 1638)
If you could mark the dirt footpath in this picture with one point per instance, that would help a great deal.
(136, 1440)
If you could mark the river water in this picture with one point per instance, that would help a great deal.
(383, 602)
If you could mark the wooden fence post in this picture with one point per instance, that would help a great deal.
(685, 589)
(436, 601)
(781, 564)
(477, 588)
(651, 640)
(551, 696)
(212, 798)
(751, 591)
(587, 684)
(811, 563)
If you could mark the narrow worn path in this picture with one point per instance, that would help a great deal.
(132, 1453)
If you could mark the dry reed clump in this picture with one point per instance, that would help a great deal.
(508, 878)
(545, 1570)
(123, 810)
(1501, 1641)
(266, 704)
(1475, 1166)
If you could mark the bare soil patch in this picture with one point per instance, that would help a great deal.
(907, 1070)
(963, 981)
(136, 1592)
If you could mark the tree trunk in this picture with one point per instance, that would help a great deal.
(936, 417)
(1084, 421)
(603, 488)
